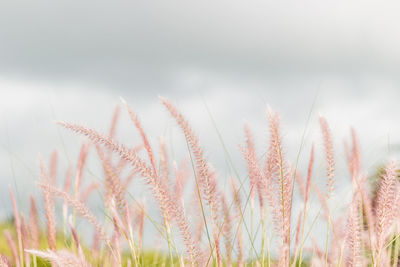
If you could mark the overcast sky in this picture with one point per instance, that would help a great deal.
(72, 60)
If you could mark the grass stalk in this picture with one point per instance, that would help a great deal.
(327, 240)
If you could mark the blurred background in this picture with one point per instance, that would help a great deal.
(218, 61)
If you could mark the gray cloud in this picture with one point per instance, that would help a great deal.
(126, 44)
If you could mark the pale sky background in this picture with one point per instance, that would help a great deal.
(72, 60)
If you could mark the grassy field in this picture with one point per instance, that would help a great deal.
(199, 223)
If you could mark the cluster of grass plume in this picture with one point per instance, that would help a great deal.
(217, 226)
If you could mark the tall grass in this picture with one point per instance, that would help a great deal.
(253, 223)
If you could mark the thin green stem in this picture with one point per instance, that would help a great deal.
(327, 240)
(251, 227)
(396, 251)
(168, 231)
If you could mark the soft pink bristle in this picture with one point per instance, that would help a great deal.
(25, 241)
(18, 225)
(113, 183)
(53, 167)
(206, 179)
(353, 234)
(13, 248)
(4, 261)
(67, 188)
(254, 168)
(328, 144)
(114, 122)
(385, 201)
(238, 203)
(60, 258)
(80, 165)
(281, 176)
(356, 152)
(34, 224)
(49, 210)
(309, 174)
(164, 161)
(227, 230)
(146, 142)
(80, 207)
